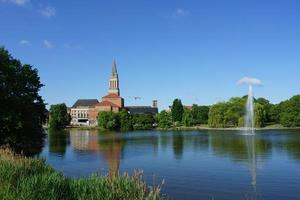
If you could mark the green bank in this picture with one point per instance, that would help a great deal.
(28, 178)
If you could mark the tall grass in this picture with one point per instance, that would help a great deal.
(27, 178)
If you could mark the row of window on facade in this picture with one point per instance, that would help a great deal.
(79, 113)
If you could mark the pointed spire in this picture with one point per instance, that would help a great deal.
(114, 67)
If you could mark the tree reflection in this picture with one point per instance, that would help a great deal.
(58, 141)
(235, 146)
(292, 147)
(178, 145)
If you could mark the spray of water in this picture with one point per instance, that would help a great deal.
(249, 117)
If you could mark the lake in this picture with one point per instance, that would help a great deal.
(193, 164)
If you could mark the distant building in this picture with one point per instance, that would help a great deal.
(151, 110)
(80, 111)
(111, 102)
(85, 111)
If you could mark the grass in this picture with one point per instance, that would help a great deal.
(27, 178)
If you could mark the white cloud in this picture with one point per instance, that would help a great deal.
(24, 42)
(48, 11)
(250, 81)
(181, 12)
(17, 2)
(48, 44)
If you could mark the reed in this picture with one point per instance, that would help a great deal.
(27, 178)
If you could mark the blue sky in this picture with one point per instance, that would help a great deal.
(193, 50)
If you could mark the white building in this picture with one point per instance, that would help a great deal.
(80, 111)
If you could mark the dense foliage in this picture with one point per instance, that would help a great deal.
(232, 114)
(27, 178)
(290, 112)
(59, 116)
(190, 116)
(164, 119)
(177, 110)
(200, 114)
(124, 121)
(22, 109)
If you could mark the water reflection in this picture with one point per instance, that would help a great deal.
(109, 145)
(178, 145)
(204, 154)
(58, 141)
(251, 147)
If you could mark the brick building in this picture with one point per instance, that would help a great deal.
(112, 102)
(85, 111)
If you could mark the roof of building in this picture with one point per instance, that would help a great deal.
(112, 95)
(85, 102)
(107, 103)
(142, 110)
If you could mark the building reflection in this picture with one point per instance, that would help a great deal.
(108, 145)
(111, 148)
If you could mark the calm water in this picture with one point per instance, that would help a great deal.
(194, 165)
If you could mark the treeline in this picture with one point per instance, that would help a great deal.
(227, 114)
(232, 113)
(125, 122)
(182, 116)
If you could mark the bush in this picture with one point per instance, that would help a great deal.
(27, 178)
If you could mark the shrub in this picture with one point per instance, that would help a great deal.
(27, 178)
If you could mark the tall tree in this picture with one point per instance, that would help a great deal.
(125, 120)
(260, 115)
(177, 110)
(216, 115)
(59, 116)
(164, 119)
(22, 109)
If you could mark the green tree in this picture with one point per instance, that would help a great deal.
(235, 109)
(177, 110)
(143, 121)
(187, 118)
(216, 117)
(290, 112)
(59, 116)
(274, 113)
(114, 121)
(108, 120)
(287, 119)
(260, 115)
(164, 119)
(200, 114)
(267, 109)
(22, 109)
(102, 119)
(125, 120)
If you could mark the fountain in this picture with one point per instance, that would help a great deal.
(249, 117)
(250, 137)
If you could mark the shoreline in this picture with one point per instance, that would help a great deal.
(184, 128)
(224, 129)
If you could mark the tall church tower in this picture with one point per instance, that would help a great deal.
(114, 80)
